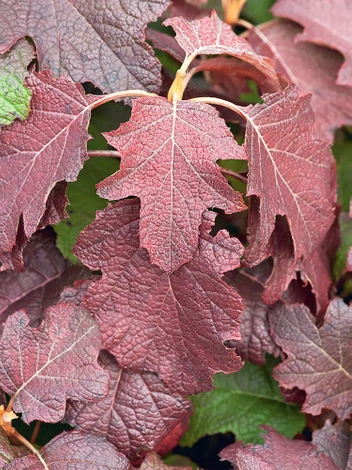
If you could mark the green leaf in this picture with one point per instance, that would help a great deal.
(175, 460)
(343, 152)
(240, 403)
(14, 96)
(339, 265)
(257, 11)
(84, 202)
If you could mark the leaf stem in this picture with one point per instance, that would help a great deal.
(29, 446)
(119, 95)
(221, 102)
(116, 154)
(35, 432)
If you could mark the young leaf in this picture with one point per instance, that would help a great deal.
(74, 450)
(277, 453)
(42, 367)
(240, 403)
(212, 36)
(334, 441)
(312, 68)
(168, 159)
(326, 377)
(14, 96)
(136, 416)
(104, 45)
(50, 146)
(326, 23)
(39, 285)
(289, 169)
(173, 324)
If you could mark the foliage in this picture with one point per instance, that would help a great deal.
(121, 334)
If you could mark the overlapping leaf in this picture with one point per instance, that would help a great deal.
(173, 324)
(289, 169)
(42, 367)
(277, 453)
(334, 441)
(136, 416)
(38, 286)
(74, 450)
(326, 376)
(168, 159)
(312, 68)
(50, 146)
(212, 36)
(90, 42)
(327, 23)
(14, 96)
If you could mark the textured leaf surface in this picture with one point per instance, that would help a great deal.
(240, 403)
(74, 450)
(212, 36)
(318, 360)
(153, 462)
(136, 416)
(277, 453)
(168, 159)
(173, 324)
(39, 285)
(42, 367)
(104, 45)
(289, 169)
(50, 146)
(327, 23)
(312, 68)
(14, 96)
(334, 441)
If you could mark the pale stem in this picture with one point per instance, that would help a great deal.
(220, 102)
(29, 446)
(119, 95)
(116, 154)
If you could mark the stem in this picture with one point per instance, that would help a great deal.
(115, 154)
(119, 95)
(35, 432)
(29, 446)
(244, 23)
(220, 102)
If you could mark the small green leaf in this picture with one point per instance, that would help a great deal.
(240, 403)
(339, 265)
(342, 152)
(14, 96)
(84, 202)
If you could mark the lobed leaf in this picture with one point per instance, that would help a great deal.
(168, 159)
(42, 367)
(318, 360)
(173, 324)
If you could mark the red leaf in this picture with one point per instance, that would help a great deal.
(173, 324)
(318, 360)
(289, 169)
(136, 416)
(212, 36)
(38, 286)
(334, 441)
(8, 452)
(103, 45)
(277, 453)
(326, 23)
(50, 146)
(74, 450)
(42, 367)
(153, 462)
(168, 154)
(312, 68)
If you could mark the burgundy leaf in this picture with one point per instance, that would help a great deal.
(168, 159)
(318, 360)
(212, 36)
(136, 416)
(173, 324)
(153, 462)
(74, 450)
(326, 23)
(9, 452)
(278, 453)
(334, 441)
(38, 286)
(90, 42)
(42, 367)
(50, 146)
(289, 169)
(312, 68)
